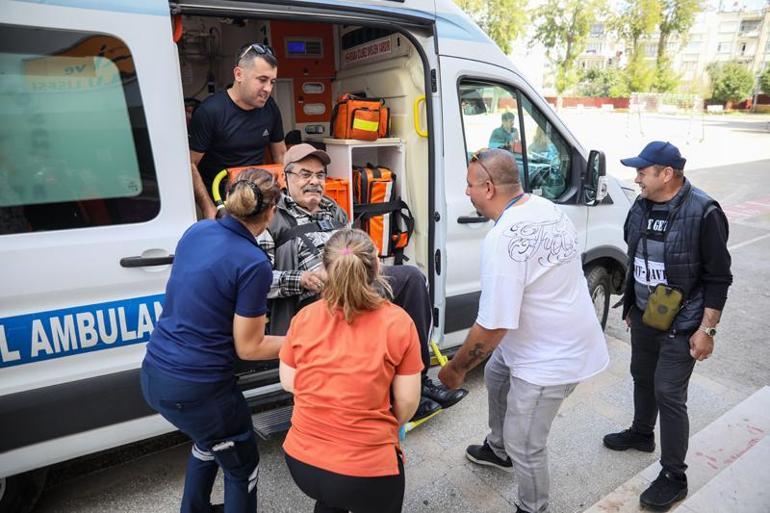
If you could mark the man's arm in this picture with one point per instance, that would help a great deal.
(716, 278)
(202, 198)
(278, 150)
(478, 345)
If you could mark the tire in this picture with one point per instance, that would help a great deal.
(600, 289)
(19, 493)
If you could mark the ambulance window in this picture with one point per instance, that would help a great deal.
(548, 155)
(496, 116)
(74, 147)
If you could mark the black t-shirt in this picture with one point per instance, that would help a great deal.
(229, 136)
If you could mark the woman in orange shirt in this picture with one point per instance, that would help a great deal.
(353, 362)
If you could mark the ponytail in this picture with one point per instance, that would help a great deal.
(354, 275)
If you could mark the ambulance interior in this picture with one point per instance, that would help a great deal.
(318, 62)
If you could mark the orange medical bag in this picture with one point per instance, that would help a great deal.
(360, 118)
(275, 169)
(380, 211)
(338, 189)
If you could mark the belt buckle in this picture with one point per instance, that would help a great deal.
(325, 225)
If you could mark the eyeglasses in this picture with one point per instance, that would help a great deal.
(306, 175)
(258, 48)
(477, 157)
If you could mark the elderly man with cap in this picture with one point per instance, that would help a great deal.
(305, 220)
(677, 252)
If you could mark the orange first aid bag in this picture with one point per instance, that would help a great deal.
(381, 212)
(366, 119)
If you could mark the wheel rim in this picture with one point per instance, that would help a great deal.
(599, 298)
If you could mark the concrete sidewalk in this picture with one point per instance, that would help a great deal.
(439, 478)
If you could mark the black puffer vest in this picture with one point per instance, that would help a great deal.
(681, 249)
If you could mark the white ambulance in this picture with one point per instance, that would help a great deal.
(95, 186)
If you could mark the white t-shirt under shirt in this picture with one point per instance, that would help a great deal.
(532, 284)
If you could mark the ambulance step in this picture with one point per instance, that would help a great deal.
(272, 422)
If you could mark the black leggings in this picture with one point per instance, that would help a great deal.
(337, 493)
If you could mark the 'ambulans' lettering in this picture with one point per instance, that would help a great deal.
(6, 354)
(44, 335)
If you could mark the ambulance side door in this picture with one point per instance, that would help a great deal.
(487, 106)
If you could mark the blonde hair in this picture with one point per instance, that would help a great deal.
(355, 283)
(243, 198)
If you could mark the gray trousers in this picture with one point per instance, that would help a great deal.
(520, 417)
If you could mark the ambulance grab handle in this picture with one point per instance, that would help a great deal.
(138, 261)
(472, 219)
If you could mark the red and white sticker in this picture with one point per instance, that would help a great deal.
(367, 51)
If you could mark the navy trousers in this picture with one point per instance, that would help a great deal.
(216, 417)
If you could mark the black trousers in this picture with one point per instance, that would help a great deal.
(410, 292)
(661, 366)
(337, 493)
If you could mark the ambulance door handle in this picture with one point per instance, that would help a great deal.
(139, 261)
(472, 219)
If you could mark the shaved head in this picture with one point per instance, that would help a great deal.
(500, 165)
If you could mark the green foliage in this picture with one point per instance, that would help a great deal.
(640, 75)
(608, 82)
(730, 81)
(502, 20)
(562, 27)
(637, 18)
(764, 80)
(666, 79)
(677, 17)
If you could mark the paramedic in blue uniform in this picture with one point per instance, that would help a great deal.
(214, 311)
(232, 128)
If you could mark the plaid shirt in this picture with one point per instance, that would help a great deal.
(286, 283)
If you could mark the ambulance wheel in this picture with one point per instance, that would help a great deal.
(600, 288)
(19, 493)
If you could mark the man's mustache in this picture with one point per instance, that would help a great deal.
(313, 188)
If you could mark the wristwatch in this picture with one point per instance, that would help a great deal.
(710, 331)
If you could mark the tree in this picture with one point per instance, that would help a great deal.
(609, 82)
(676, 17)
(562, 27)
(730, 81)
(502, 20)
(638, 18)
(764, 81)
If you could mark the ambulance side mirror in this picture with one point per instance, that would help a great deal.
(595, 179)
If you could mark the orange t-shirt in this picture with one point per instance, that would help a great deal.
(342, 419)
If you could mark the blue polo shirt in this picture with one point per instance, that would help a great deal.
(219, 270)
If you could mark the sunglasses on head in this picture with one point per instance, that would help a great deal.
(258, 48)
(477, 157)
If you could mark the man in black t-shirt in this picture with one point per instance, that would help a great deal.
(232, 128)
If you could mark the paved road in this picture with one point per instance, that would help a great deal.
(733, 164)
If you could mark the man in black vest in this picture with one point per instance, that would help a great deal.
(677, 238)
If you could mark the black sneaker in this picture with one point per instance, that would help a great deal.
(630, 439)
(426, 408)
(483, 455)
(667, 489)
(446, 397)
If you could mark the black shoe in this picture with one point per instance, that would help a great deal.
(667, 489)
(483, 455)
(630, 439)
(426, 408)
(217, 508)
(446, 397)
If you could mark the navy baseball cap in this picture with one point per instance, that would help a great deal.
(662, 153)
